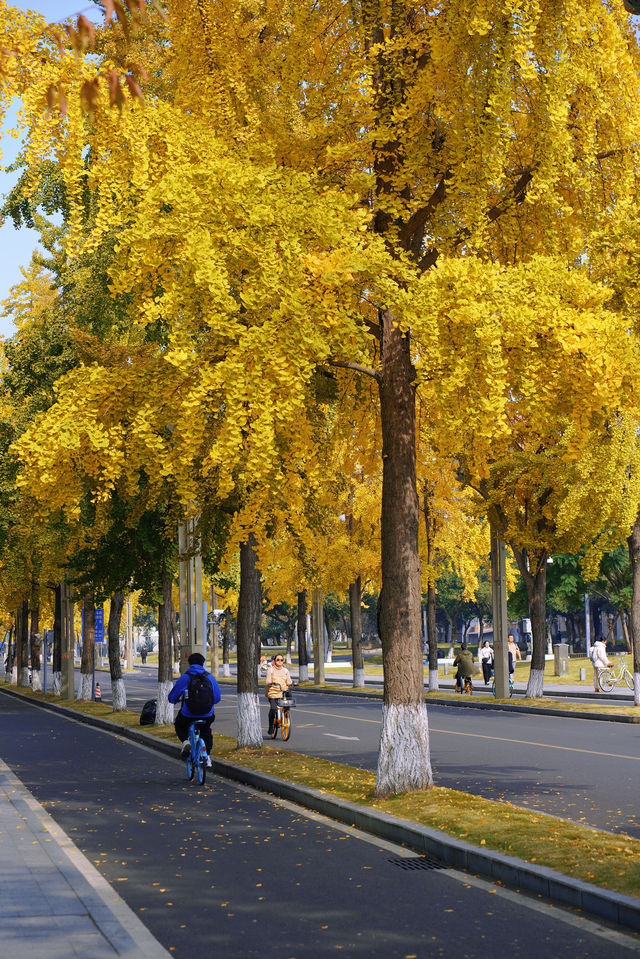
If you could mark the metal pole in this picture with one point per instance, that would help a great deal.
(128, 641)
(200, 638)
(213, 601)
(499, 600)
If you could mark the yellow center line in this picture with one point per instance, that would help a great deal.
(496, 739)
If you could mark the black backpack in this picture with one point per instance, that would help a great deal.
(199, 700)
(148, 714)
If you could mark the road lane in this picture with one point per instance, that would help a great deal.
(583, 770)
(222, 870)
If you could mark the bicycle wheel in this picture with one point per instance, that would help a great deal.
(190, 767)
(628, 678)
(285, 729)
(202, 762)
(605, 680)
(493, 688)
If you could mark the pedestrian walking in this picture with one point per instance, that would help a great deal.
(599, 661)
(485, 658)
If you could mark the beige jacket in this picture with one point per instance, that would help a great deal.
(281, 676)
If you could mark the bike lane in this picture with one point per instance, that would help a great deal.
(223, 868)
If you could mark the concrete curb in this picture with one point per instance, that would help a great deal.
(516, 873)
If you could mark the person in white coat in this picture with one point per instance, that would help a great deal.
(600, 660)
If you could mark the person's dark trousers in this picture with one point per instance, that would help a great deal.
(181, 726)
(486, 671)
(272, 713)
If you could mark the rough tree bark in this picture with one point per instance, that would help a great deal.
(119, 693)
(226, 642)
(164, 709)
(634, 555)
(403, 760)
(248, 641)
(432, 636)
(88, 646)
(355, 609)
(303, 649)
(533, 568)
(23, 651)
(35, 639)
(56, 659)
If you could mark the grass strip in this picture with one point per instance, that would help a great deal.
(614, 709)
(609, 860)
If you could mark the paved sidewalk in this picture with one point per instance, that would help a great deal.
(54, 904)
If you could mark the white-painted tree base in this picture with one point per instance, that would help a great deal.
(119, 695)
(14, 676)
(164, 709)
(535, 686)
(636, 689)
(434, 684)
(57, 684)
(358, 678)
(404, 763)
(303, 674)
(36, 680)
(86, 686)
(249, 727)
(24, 676)
(226, 669)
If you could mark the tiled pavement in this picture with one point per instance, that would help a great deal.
(54, 904)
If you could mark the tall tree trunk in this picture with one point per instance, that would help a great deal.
(11, 665)
(571, 631)
(403, 759)
(23, 657)
(226, 642)
(248, 640)
(164, 709)
(582, 636)
(634, 556)
(303, 649)
(535, 579)
(56, 659)
(88, 647)
(355, 609)
(175, 635)
(35, 639)
(432, 637)
(118, 691)
(289, 629)
(624, 622)
(8, 664)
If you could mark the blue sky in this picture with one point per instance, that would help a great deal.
(16, 246)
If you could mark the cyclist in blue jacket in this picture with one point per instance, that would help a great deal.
(199, 692)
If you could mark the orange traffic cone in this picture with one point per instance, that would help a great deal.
(98, 693)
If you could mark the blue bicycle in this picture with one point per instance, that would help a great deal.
(197, 757)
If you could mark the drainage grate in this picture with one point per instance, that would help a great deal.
(420, 862)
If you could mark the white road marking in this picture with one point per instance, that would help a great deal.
(354, 739)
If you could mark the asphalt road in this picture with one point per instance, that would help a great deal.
(583, 770)
(222, 870)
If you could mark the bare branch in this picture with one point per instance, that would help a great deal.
(346, 365)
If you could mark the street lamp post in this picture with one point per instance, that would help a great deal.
(499, 598)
